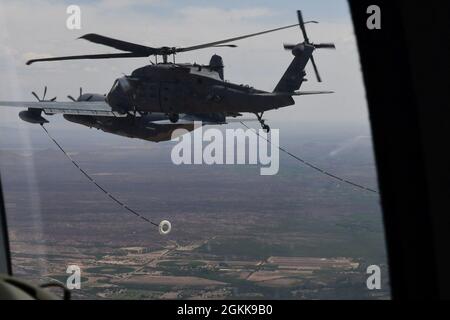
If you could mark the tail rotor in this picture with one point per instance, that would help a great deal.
(306, 42)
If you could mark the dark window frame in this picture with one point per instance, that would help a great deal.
(405, 68)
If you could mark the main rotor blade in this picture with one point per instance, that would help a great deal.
(119, 44)
(302, 25)
(319, 79)
(91, 56)
(215, 43)
(226, 45)
(325, 46)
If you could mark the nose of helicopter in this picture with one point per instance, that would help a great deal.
(119, 97)
(125, 84)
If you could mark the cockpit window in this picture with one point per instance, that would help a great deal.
(115, 85)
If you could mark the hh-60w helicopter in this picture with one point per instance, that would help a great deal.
(160, 97)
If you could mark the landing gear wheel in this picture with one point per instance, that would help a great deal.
(266, 128)
(174, 117)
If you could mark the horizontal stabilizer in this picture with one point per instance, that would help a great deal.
(295, 93)
(306, 93)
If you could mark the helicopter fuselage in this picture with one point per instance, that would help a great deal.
(187, 88)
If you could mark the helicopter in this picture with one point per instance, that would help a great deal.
(157, 98)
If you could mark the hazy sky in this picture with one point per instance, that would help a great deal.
(37, 28)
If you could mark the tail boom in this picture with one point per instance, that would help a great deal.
(295, 73)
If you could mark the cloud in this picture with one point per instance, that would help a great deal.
(34, 55)
(120, 4)
(90, 69)
(349, 145)
(212, 13)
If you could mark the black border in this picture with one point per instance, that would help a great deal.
(405, 66)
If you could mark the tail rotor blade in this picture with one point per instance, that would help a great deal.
(302, 25)
(71, 98)
(325, 46)
(81, 91)
(45, 93)
(289, 46)
(319, 79)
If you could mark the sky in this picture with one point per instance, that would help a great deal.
(37, 28)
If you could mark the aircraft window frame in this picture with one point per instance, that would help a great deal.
(5, 254)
